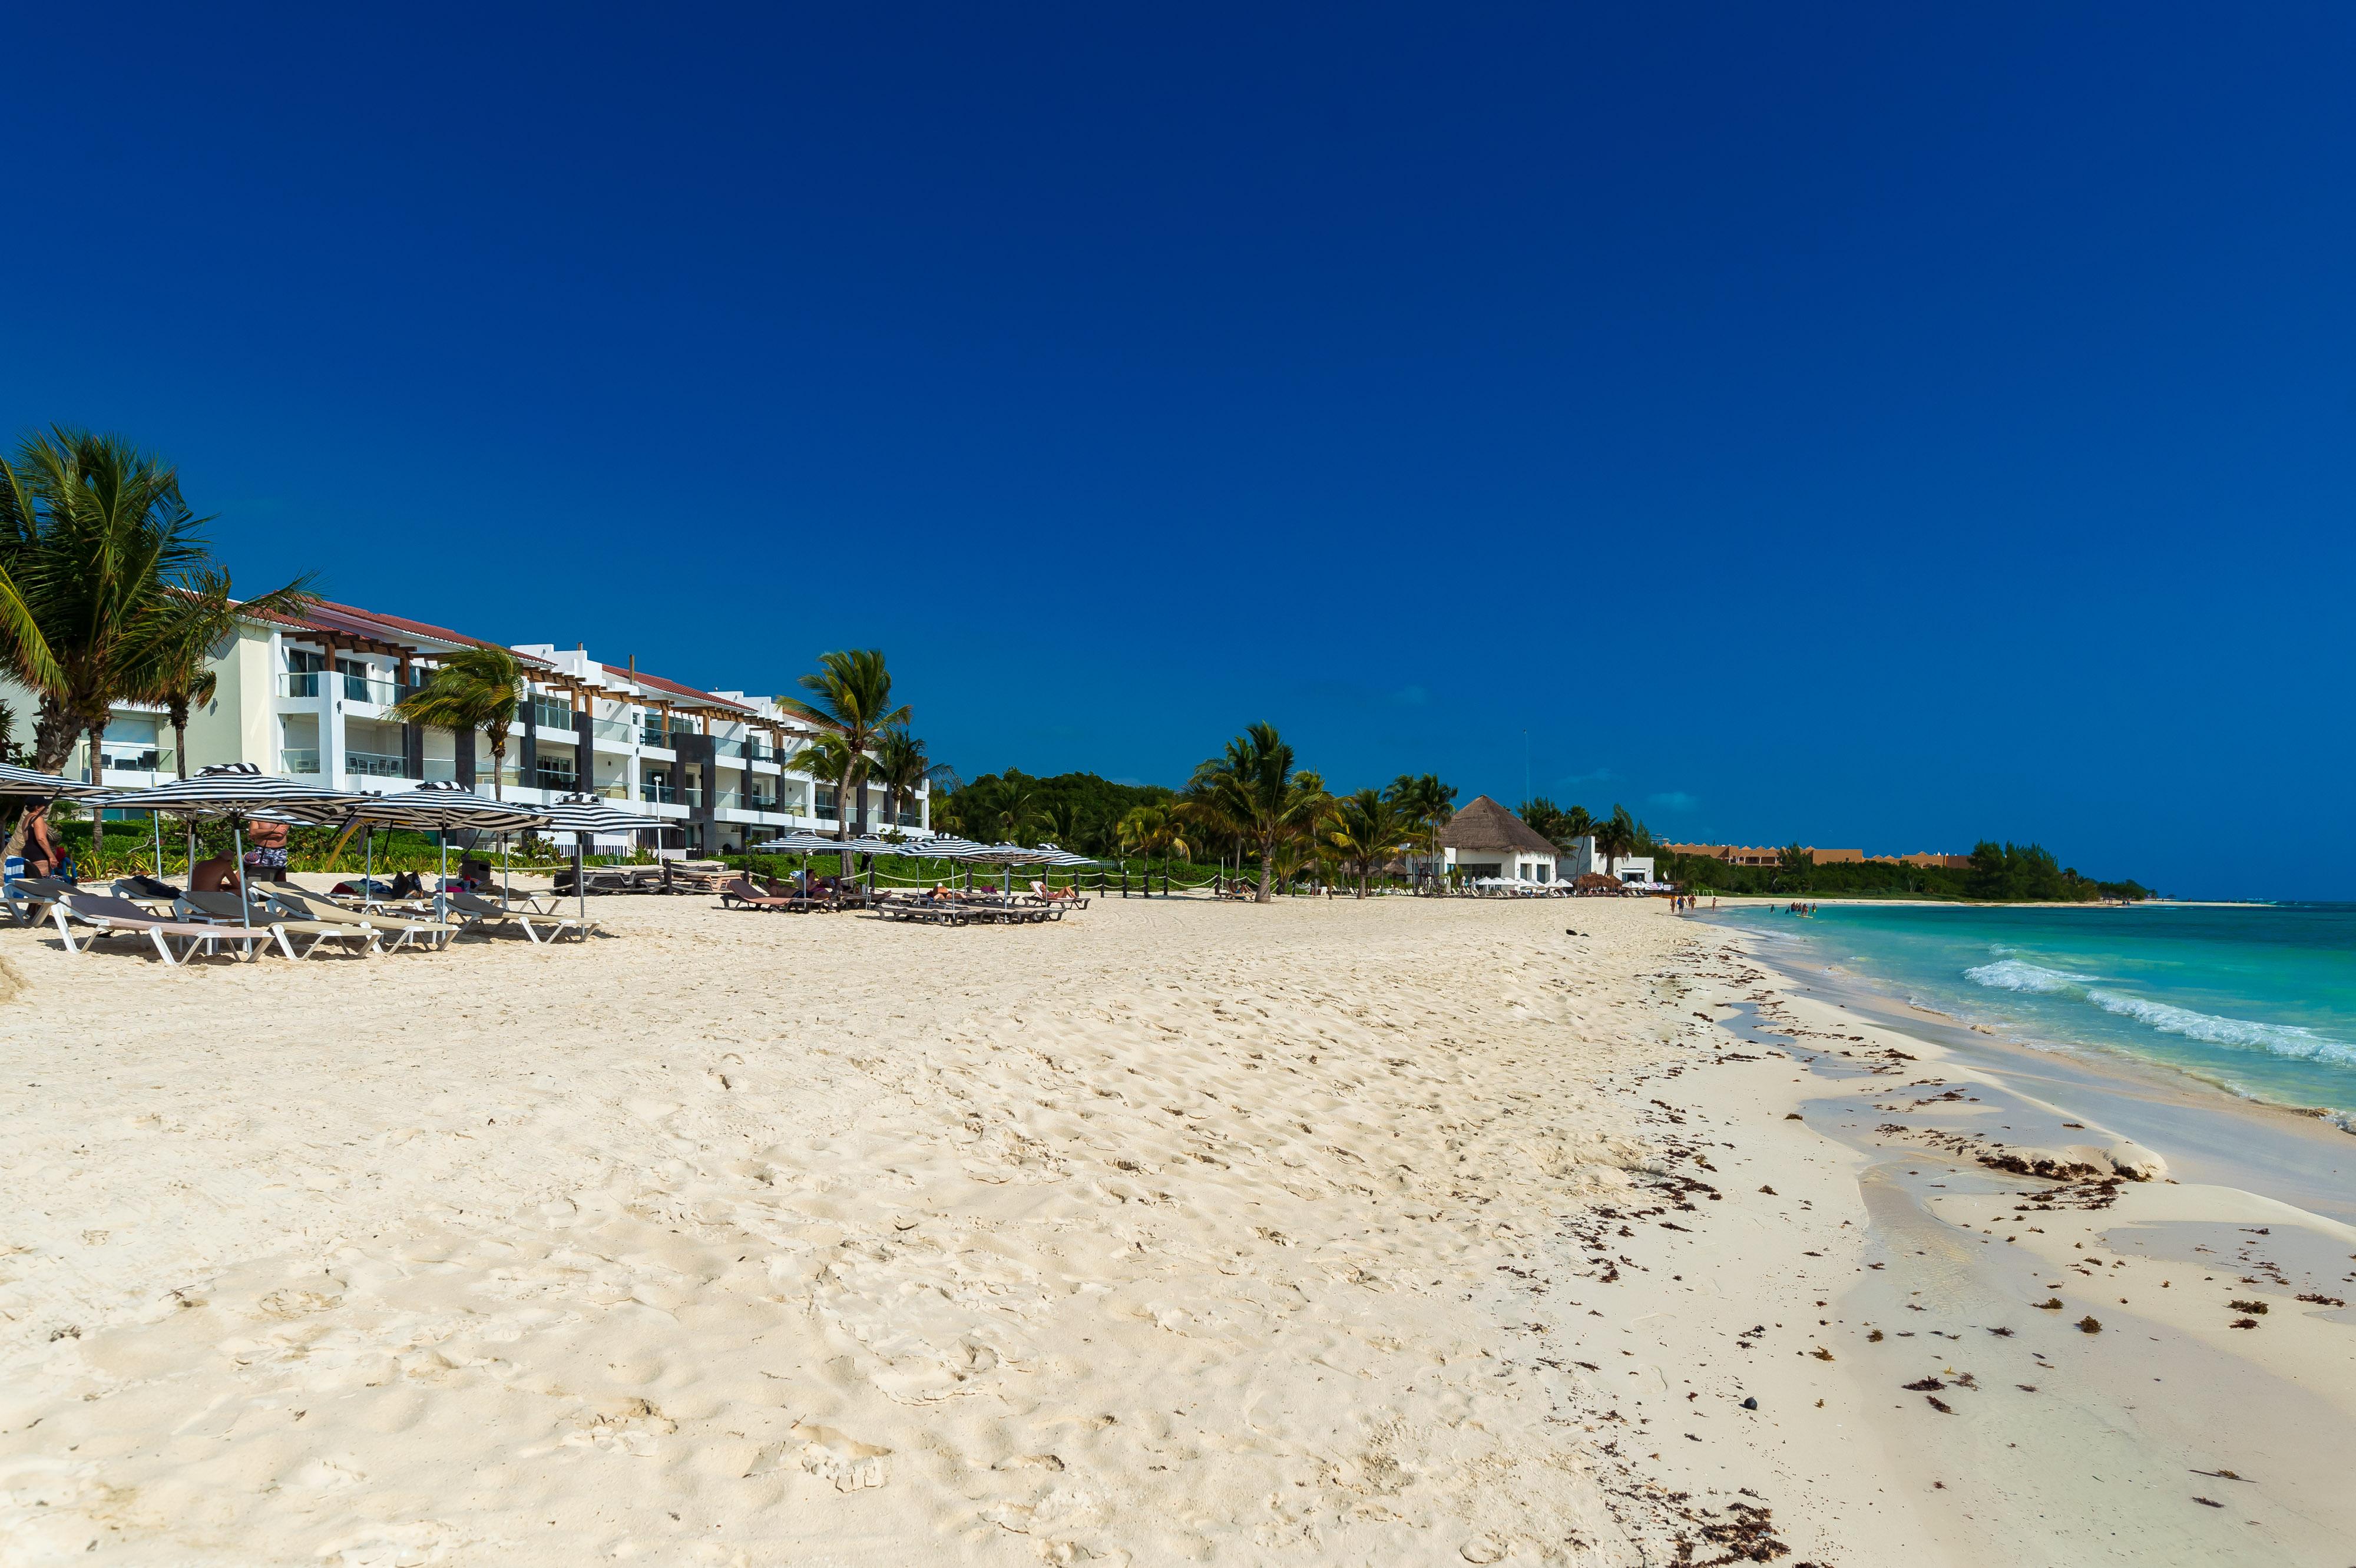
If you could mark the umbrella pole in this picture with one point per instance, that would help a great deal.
(507, 883)
(157, 818)
(244, 894)
(580, 879)
(441, 881)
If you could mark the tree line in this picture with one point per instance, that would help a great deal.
(1253, 804)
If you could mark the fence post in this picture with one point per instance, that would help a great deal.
(1124, 879)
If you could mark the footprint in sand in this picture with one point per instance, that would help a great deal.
(837, 1456)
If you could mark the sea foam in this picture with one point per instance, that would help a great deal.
(2018, 974)
(2239, 1033)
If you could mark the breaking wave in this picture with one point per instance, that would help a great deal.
(2016, 974)
(2238, 1034)
(2241, 1033)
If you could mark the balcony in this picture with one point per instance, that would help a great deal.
(551, 716)
(612, 729)
(372, 689)
(299, 758)
(373, 765)
(559, 779)
(658, 794)
(132, 759)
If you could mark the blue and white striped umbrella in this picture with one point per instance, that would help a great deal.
(23, 782)
(948, 847)
(595, 815)
(237, 789)
(444, 805)
(1051, 855)
(799, 841)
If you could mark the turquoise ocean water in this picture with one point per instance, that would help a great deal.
(2261, 1000)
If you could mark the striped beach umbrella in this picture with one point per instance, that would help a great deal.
(236, 791)
(587, 816)
(25, 783)
(438, 807)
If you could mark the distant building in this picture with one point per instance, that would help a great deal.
(1755, 854)
(1583, 858)
(1486, 840)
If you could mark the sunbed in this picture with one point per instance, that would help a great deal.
(740, 894)
(30, 898)
(402, 925)
(232, 909)
(112, 916)
(475, 910)
(1070, 898)
(930, 911)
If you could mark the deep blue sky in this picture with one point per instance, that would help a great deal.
(1821, 424)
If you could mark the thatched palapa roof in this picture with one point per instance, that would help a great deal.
(1486, 825)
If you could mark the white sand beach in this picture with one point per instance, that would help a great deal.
(1394, 1231)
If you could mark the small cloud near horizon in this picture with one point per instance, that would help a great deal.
(1672, 800)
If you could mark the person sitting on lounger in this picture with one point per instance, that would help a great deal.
(218, 874)
(43, 857)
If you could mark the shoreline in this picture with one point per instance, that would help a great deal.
(1922, 1105)
(2110, 1071)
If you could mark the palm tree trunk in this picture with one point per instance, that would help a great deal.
(98, 780)
(1267, 855)
(54, 734)
(180, 737)
(499, 762)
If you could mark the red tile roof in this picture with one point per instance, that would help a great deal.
(328, 618)
(676, 688)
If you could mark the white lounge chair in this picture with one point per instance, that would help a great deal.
(230, 909)
(111, 917)
(475, 910)
(384, 919)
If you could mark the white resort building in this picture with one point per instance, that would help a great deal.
(1583, 858)
(315, 697)
(1484, 840)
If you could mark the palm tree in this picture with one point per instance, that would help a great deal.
(1368, 828)
(852, 692)
(477, 688)
(902, 768)
(187, 635)
(23, 647)
(96, 542)
(1575, 825)
(1615, 837)
(1147, 830)
(1428, 804)
(98, 531)
(1013, 810)
(828, 760)
(1250, 792)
